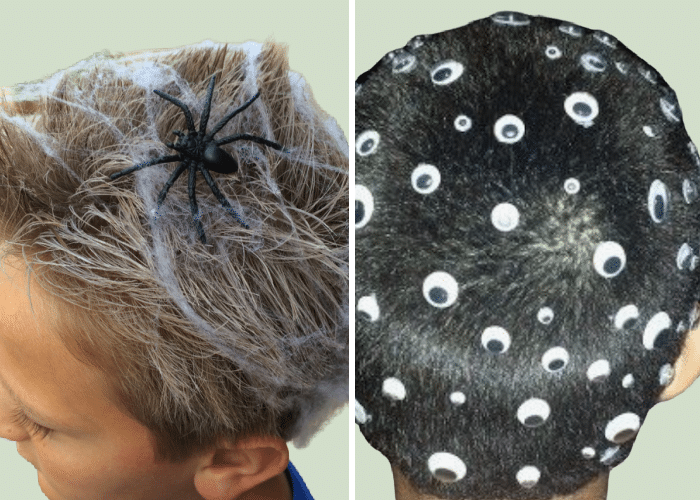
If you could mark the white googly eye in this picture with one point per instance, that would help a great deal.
(555, 359)
(425, 178)
(690, 191)
(446, 467)
(394, 389)
(572, 186)
(369, 306)
(403, 63)
(666, 374)
(571, 29)
(463, 123)
(622, 67)
(528, 476)
(511, 18)
(509, 129)
(606, 39)
(505, 217)
(593, 62)
(367, 142)
(658, 201)
(552, 52)
(545, 315)
(533, 412)
(364, 206)
(670, 109)
(361, 415)
(622, 428)
(440, 289)
(446, 72)
(598, 371)
(610, 456)
(628, 381)
(588, 452)
(609, 259)
(654, 336)
(685, 256)
(650, 130)
(495, 339)
(458, 398)
(582, 107)
(626, 317)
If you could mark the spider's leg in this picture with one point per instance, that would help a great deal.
(193, 204)
(226, 118)
(178, 171)
(182, 106)
(161, 159)
(222, 199)
(248, 137)
(204, 118)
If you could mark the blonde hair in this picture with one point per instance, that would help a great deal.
(246, 335)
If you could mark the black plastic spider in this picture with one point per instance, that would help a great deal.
(199, 151)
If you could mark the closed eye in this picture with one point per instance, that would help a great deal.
(19, 418)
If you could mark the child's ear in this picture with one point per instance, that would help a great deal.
(251, 463)
(687, 367)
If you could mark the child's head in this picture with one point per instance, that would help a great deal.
(527, 233)
(142, 329)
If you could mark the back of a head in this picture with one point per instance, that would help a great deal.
(527, 239)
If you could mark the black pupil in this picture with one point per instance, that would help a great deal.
(582, 109)
(438, 295)
(663, 340)
(533, 420)
(659, 207)
(629, 323)
(367, 145)
(494, 345)
(445, 475)
(623, 436)
(424, 181)
(510, 130)
(612, 265)
(597, 62)
(402, 64)
(555, 365)
(442, 74)
(359, 211)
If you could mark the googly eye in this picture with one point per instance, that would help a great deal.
(440, 289)
(666, 374)
(588, 452)
(463, 123)
(555, 359)
(598, 371)
(571, 29)
(593, 62)
(545, 315)
(610, 456)
(509, 129)
(533, 412)
(403, 63)
(650, 130)
(511, 18)
(446, 467)
(670, 109)
(505, 217)
(572, 186)
(622, 428)
(626, 317)
(657, 331)
(628, 381)
(361, 415)
(658, 201)
(552, 52)
(609, 259)
(394, 389)
(446, 72)
(622, 67)
(369, 306)
(582, 107)
(495, 339)
(606, 39)
(684, 258)
(528, 476)
(364, 206)
(458, 398)
(690, 191)
(367, 142)
(425, 178)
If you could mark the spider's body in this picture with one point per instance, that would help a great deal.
(199, 151)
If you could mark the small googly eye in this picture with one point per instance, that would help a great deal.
(509, 129)
(394, 389)
(572, 186)
(628, 381)
(425, 178)
(361, 415)
(505, 217)
(528, 476)
(495, 339)
(555, 359)
(369, 306)
(571, 29)
(670, 109)
(364, 206)
(593, 62)
(622, 67)
(588, 452)
(582, 107)
(609, 259)
(533, 412)
(446, 72)
(403, 63)
(626, 317)
(598, 371)
(440, 289)
(658, 201)
(545, 315)
(666, 374)
(446, 467)
(552, 52)
(367, 142)
(685, 256)
(458, 398)
(690, 191)
(463, 123)
(656, 333)
(622, 428)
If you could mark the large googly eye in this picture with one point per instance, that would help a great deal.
(364, 206)
(555, 359)
(446, 467)
(509, 129)
(495, 339)
(369, 306)
(599, 371)
(626, 317)
(425, 178)
(403, 63)
(367, 142)
(533, 412)
(593, 62)
(609, 259)
(463, 123)
(658, 201)
(552, 52)
(440, 289)
(505, 217)
(582, 107)
(528, 476)
(622, 428)
(394, 389)
(361, 415)
(446, 72)
(656, 333)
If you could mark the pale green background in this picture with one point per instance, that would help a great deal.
(665, 460)
(40, 37)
